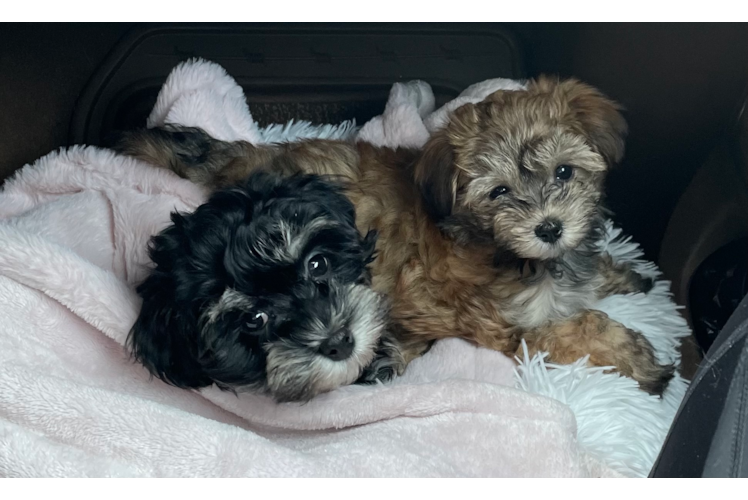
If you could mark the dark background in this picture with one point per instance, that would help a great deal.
(682, 86)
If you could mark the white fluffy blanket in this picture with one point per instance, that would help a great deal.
(73, 232)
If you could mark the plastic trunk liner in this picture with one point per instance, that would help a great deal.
(322, 74)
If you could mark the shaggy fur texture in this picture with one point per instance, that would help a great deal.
(439, 265)
(265, 287)
(524, 171)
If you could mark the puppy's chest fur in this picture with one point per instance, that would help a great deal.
(543, 292)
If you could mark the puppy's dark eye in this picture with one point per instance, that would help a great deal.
(257, 321)
(318, 266)
(564, 172)
(498, 191)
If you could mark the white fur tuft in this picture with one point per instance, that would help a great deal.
(299, 130)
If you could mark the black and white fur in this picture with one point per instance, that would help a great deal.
(265, 287)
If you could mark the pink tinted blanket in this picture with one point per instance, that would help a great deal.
(73, 233)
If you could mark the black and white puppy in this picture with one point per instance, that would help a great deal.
(265, 287)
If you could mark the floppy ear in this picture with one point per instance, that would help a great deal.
(601, 119)
(164, 336)
(436, 176)
(598, 118)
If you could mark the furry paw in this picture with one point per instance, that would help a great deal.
(635, 357)
(642, 284)
(387, 364)
(377, 373)
(635, 283)
(620, 278)
(656, 379)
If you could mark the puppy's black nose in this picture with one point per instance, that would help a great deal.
(339, 346)
(549, 231)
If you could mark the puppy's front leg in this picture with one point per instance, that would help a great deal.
(620, 278)
(607, 342)
(193, 154)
